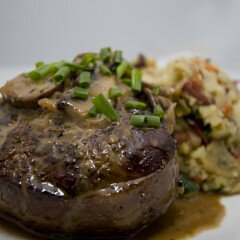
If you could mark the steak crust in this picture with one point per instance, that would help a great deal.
(64, 174)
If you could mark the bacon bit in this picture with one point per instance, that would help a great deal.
(227, 110)
(194, 89)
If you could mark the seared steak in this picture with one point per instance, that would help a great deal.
(63, 173)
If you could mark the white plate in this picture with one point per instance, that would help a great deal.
(229, 228)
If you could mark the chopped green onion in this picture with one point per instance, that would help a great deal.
(84, 79)
(73, 65)
(93, 112)
(138, 120)
(158, 111)
(115, 92)
(61, 74)
(145, 121)
(58, 65)
(81, 93)
(104, 106)
(34, 75)
(105, 54)
(87, 59)
(127, 81)
(42, 72)
(105, 70)
(117, 57)
(135, 105)
(153, 121)
(39, 64)
(155, 91)
(136, 80)
(121, 69)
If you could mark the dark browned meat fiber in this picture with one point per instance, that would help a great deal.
(65, 174)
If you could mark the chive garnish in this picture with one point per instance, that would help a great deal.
(155, 91)
(105, 54)
(127, 81)
(39, 64)
(153, 121)
(145, 121)
(136, 80)
(117, 57)
(84, 79)
(42, 72)
(104, 106)
(115, 92)
(34, 75)
(158, 111)
(61, 74)
(58, 65)
(138, 120)
(121, 69)
(93, 112)
(73, 65)
(105, 70)
(87, 59)
(81, 93)
(135, 105)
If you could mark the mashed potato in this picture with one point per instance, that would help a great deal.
(207, 121)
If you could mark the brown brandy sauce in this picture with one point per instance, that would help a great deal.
(186, 218)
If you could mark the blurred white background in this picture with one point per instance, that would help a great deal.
(48, 30)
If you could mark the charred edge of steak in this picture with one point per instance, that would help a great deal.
(124, 207)
(68, 166)
(61, 174)
(134, 177)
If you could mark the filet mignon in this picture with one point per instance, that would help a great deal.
(63, 173)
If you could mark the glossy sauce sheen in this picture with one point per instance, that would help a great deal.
(185, 218)
(63, 173)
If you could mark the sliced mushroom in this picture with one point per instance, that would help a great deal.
(24, 92)
(102, 85)
(77, 108)
(150, 96)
